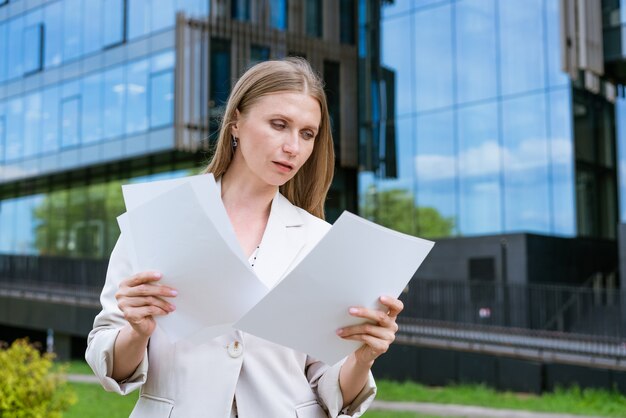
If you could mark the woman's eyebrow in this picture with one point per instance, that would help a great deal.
(290, 120)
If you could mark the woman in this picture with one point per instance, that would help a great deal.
(275, 135)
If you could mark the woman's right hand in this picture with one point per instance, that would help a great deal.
(140, 299)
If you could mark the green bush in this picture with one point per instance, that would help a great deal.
(28, 387)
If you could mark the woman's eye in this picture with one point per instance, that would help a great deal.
(278, 124)
(308, 135)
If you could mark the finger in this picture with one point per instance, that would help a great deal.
(395, 305)
(141, 278)
(150, 289)
(376, 345)
(134, 302)
(374, 315)
(367, 329)
(135, 315)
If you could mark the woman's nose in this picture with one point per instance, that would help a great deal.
(292, 144)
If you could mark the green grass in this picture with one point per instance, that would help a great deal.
(74, 367)
(94, 402)
(572, 401)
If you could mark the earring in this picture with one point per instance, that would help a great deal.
(234, 141)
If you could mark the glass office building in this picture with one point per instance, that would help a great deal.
(97, 93)
(491, 136)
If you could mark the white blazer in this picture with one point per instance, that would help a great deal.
(199, 378)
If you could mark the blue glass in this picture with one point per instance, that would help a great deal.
(162, 61)
(33, 52)
(15, 61)
(258, 54)
(138, 18)
(50, 120)
(70, 121)
(3, 132)
(522, 63)
(525, 149)
(32, 124)
(114, 102)
(240, 9)
(398, 7)
(433, 58)
(219, 84)
(194, 8)
(53, 34)
(163, 15)
(14, 112)
(475, 50)
(278, 14)
(620, 118)
(435, 163)
(562, 163)
(25, 225)
(136, 98)
(3, 51)
(405, 152)
(113, 22)
(93, 25)
(479, 163)
(347, 21)
(161, 99)
(556, 76)
(92, 108)
(400, 61)
(72, 28)
(8, 210)
(313, 16)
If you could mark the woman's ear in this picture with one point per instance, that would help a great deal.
(234, 127)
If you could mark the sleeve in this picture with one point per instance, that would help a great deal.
(324, 380)
(107, 325)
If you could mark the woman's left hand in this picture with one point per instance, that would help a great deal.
(376, 335)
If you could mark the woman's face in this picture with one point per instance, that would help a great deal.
(276, 135)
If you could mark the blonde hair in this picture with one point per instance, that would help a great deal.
(309, 187)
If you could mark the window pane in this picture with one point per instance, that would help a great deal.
(433, 58)
(72, 28)
(50, 116)
(3, 132)
(258, 54)
(220, 71)
(136, 102)
(8, 209)
(521, 46)
(53, 33)
(114, 102)
(15, 131)
(15, 62)
(3, 51)
(278, 14)
(398, 61)
(33, 48)
(92, 108)
(525, 159)
(346, 21)
(32, 125)
(138, 18)
(476, 50)
(556, 77)
(562, 162)
(435, 165)
(240, 9)
(313, 15)
(480, 195)
(161, 99)
(163, 61)
(113, 22)
(92, 27)
(332, 80)
(70, 121)
(163, 16)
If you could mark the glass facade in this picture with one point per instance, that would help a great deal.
(481, 117)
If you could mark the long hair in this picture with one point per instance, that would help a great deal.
(309, 187)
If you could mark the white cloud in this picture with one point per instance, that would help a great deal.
(487, 159)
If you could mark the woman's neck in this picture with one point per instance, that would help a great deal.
(242, 191)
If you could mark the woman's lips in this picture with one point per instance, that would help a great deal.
(284, 167)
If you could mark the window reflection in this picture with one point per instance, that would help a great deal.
(50, 119)
(240, 9)
(138, 18)
(163, 15)
(114, 102)
(15, 131)
(161, 98)
(15, 62)
(400, 61)
(525, 163)
(220, 71)
(72, 28)
(93, 28)
(313, 13)
(70, 121)
(92, 108)
(259, 53)
(113, 13)
(278, 14)
(480, 156)
(136, 86)
(3, 51)
(33, 48)
(2, 133)
(32, 124)
(53, 34)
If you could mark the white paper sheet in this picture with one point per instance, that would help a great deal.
(174, 233)
(354, 264)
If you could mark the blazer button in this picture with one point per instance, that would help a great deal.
(235, 349)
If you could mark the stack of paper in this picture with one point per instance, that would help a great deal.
(180, 228)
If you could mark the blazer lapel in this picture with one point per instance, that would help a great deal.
(282, 240)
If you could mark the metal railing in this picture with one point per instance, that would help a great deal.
(581, 310)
